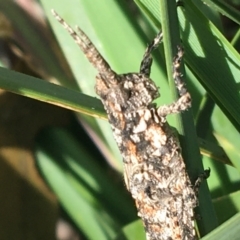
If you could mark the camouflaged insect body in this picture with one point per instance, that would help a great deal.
(154, 170)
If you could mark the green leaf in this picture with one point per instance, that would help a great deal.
(227, 206)
(51, 93)
(224, 8)
(81, 184)
(132, 231)
(228, 230)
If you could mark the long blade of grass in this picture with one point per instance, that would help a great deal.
(50, 93)
(82, 186)
(224, 8)
(228, 230)
(185, 122)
